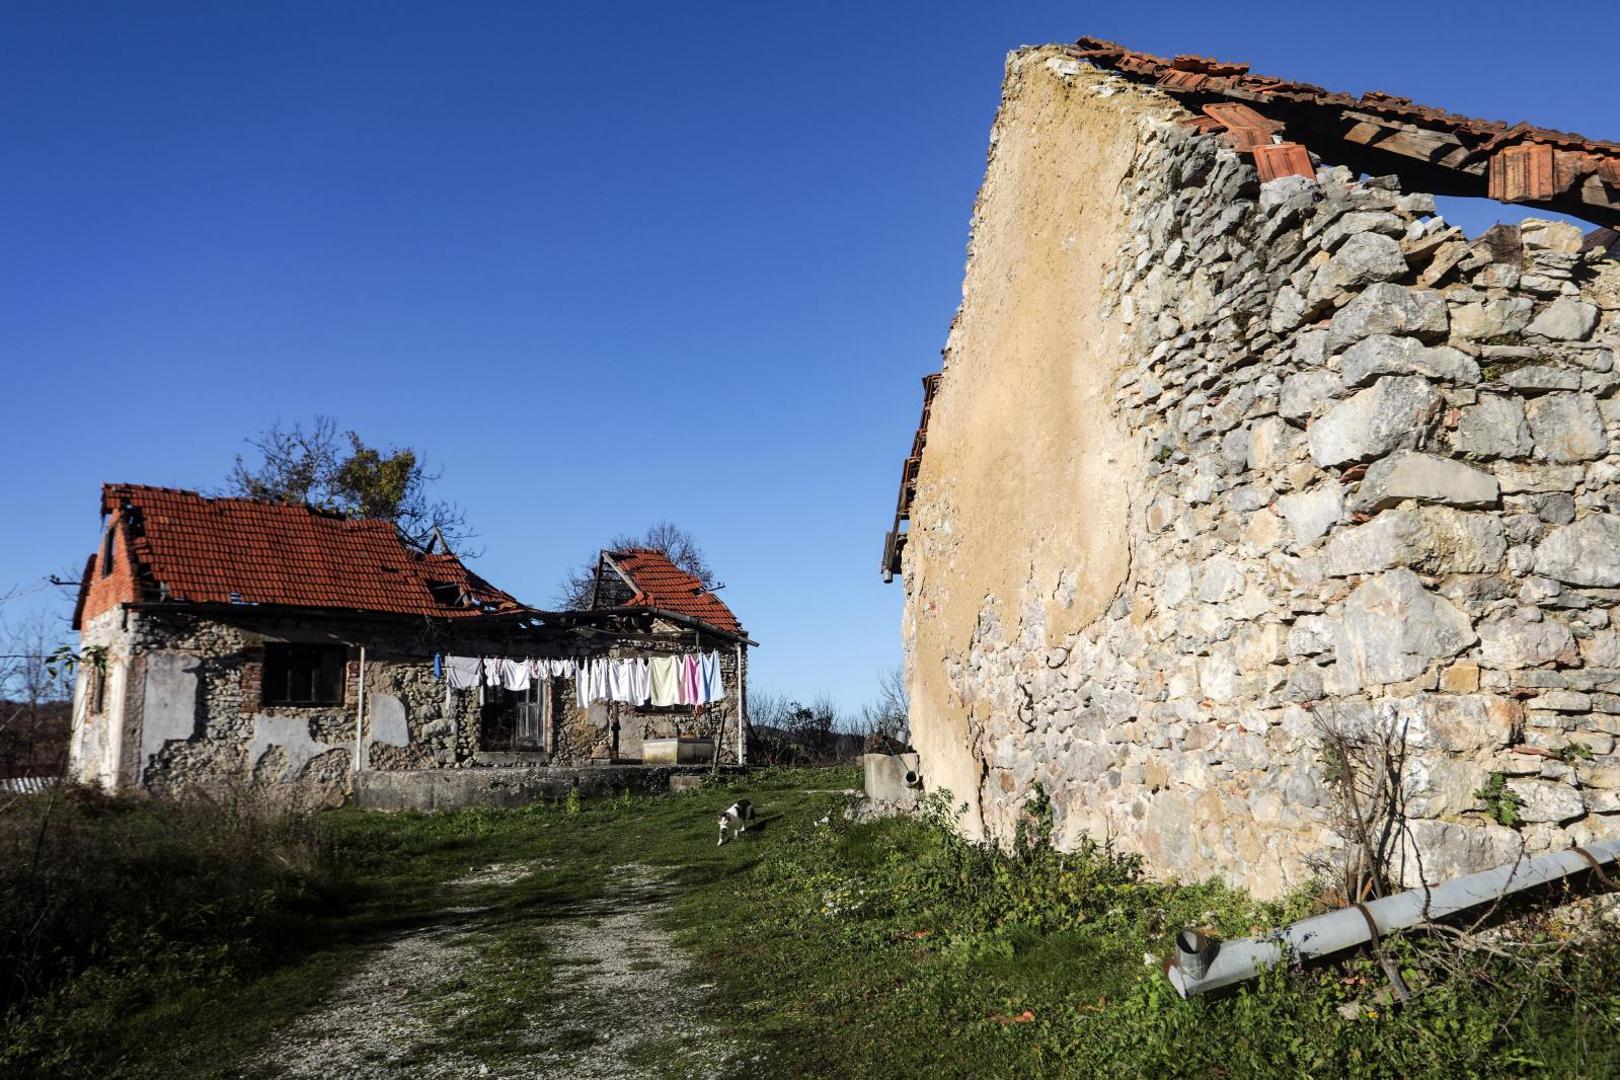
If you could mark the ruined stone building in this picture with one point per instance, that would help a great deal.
(226, 639)
(1239, 451)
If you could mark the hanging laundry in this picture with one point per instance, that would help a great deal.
(689, 680)
(710, 686)
(640, 681)
(462, 672)
(516, 674)
(600, 689)
(664, 672)
(493, 670)
(582, 686)
(438, 666)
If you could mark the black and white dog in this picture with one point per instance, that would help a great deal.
(737, 817)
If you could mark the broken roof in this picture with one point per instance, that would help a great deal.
(189, 548)
(1379, 133)
(659, 583)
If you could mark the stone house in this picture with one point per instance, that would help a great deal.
(1241, 455)
(226, 639)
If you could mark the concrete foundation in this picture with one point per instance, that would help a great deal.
(455, 789)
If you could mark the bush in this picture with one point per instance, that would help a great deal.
(96, 888)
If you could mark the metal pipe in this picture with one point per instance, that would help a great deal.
(1201, 964)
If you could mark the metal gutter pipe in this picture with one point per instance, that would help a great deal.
(1202, 964)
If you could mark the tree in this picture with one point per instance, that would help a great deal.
(35, 691)
(886, 722)
(678, 545)
(339, 472)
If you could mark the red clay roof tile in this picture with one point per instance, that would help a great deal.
(200, 550)
(660, 583)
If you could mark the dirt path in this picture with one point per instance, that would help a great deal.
(619, 1003)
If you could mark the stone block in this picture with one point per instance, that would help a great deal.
(1392, 628)
(1584, 553)
(1436, 540)
(1546, 800)
(1386, 308)
(1389, 415)
(1310, 514)
(1541, 378)
(1304, 391)
(1567, 428)
(1363, 258)
(1493, 427)
(1565, 319)
(1382, 354)
(1517, 642)
(1489, 319)
(1407, 474)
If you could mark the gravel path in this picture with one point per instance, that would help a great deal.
(619, 1004)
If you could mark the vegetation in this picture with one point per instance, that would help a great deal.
(836, 948)
(340, 473)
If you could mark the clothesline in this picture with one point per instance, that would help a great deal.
(661, 681)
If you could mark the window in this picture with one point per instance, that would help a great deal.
(107, 550)
(98, 690)
(304, 674)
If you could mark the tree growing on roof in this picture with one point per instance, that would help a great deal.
(678, 545)
(339, 472)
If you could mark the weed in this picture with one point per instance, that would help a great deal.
(1502, 803)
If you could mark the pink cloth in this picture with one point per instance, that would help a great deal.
(690, 689)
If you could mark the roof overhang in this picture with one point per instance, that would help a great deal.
(1433, 150)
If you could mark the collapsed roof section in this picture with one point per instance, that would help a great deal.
(1377, 133)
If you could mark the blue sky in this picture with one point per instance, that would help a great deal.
(603, 264)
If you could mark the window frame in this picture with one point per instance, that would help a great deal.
(293, 669)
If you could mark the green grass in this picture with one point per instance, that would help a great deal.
(887, 948)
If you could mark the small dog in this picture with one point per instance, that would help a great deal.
(737, 817)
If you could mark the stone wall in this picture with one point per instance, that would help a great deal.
(1217, 470)
(184, 708)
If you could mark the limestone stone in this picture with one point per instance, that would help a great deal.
(1460, 678)
(1303, 391)
(1382, 354)
(1386, 308)
(1514, 642)
(1487, 319)
(1389, 415)
(1517, 477)
(1567, 428)
(1392, 628)
(1407, 474)
(1586, 552)
(1362, 259)
(1544, 800)
(1566, 319)
(1538, 234)
(1541, 378)
(1310, 514)
(1437, 851)
(1494, 426)
(1434, 539)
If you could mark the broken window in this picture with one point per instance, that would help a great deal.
(304, 674)
(107, 550)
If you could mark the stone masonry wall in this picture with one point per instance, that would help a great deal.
(1371, 474)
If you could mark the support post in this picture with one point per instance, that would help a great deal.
(360, 717)
(742, 707)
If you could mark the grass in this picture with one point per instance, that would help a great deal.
(887, 948)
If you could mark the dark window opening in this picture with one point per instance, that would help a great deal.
(304, 674)
(107, 551)
(98, 691)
